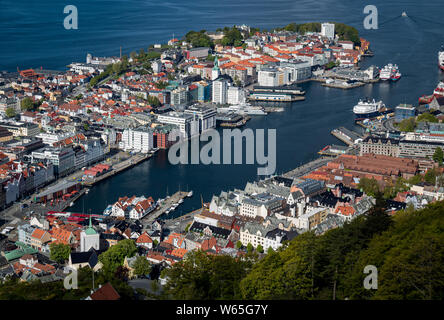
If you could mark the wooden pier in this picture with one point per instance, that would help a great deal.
(346, 136)
(165, 205)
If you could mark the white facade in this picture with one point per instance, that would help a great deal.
(259, 238)
(220, 88)
(328, 30)
(268, 78)
(138, 140)
(236, 95)
(187, 123)
(88, 241)
(51, 138)
(252, 210)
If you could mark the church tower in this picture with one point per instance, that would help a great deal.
(89, 238)
(215, 73)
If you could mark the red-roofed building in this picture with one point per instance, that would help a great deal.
(105, 292)
(144, 240)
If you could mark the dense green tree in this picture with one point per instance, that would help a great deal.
(10, 112)
(281, 275)
(430, 176)
(59, 252)
(142, 266)
(142, 54)
(200, 276)
(238, 245)
(426, 117)
(346, 32)
(409, 256)
(438, 155)
(232, 37)
(416, 179)
(27, 104)
(369, 186)
(114, 256)
(407, 125)
(199, 39)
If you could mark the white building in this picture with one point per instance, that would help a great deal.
(220, 88)
(63, 159)
(89, 238)
(205, 115)
(265, 236)
(179, 96)
(259, 205)
(297, 70)
(137, 140)
(268, 77)
(53, 137)
(133, 208)
(156, 66)
(328, 30)
(187, 123)
(236, 95)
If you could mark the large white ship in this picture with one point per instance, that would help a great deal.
(243, 109)
(386, 72)
(390, 72)
(441, 58)
(368, 108)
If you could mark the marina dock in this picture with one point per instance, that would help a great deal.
(164, 206)
(346, 136)
(333, 151)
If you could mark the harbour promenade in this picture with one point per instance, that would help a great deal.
(306, 168)
(119, 167)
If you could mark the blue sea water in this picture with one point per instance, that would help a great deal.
(32, 35)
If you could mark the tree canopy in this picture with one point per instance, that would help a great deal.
(199, 39)
(10, 112)
(232, 37)
(438, 155)
(27, 104)
(114, 256)
(59, 252)
(142, 266)
(200, 277)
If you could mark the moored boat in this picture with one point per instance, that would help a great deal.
(368, 108)
(425, 99)
(439, 90)
(441, 58)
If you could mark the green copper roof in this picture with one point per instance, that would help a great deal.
(90, 230)
(18, 253)
(216, 64)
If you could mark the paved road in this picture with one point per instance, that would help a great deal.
(389, 125)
